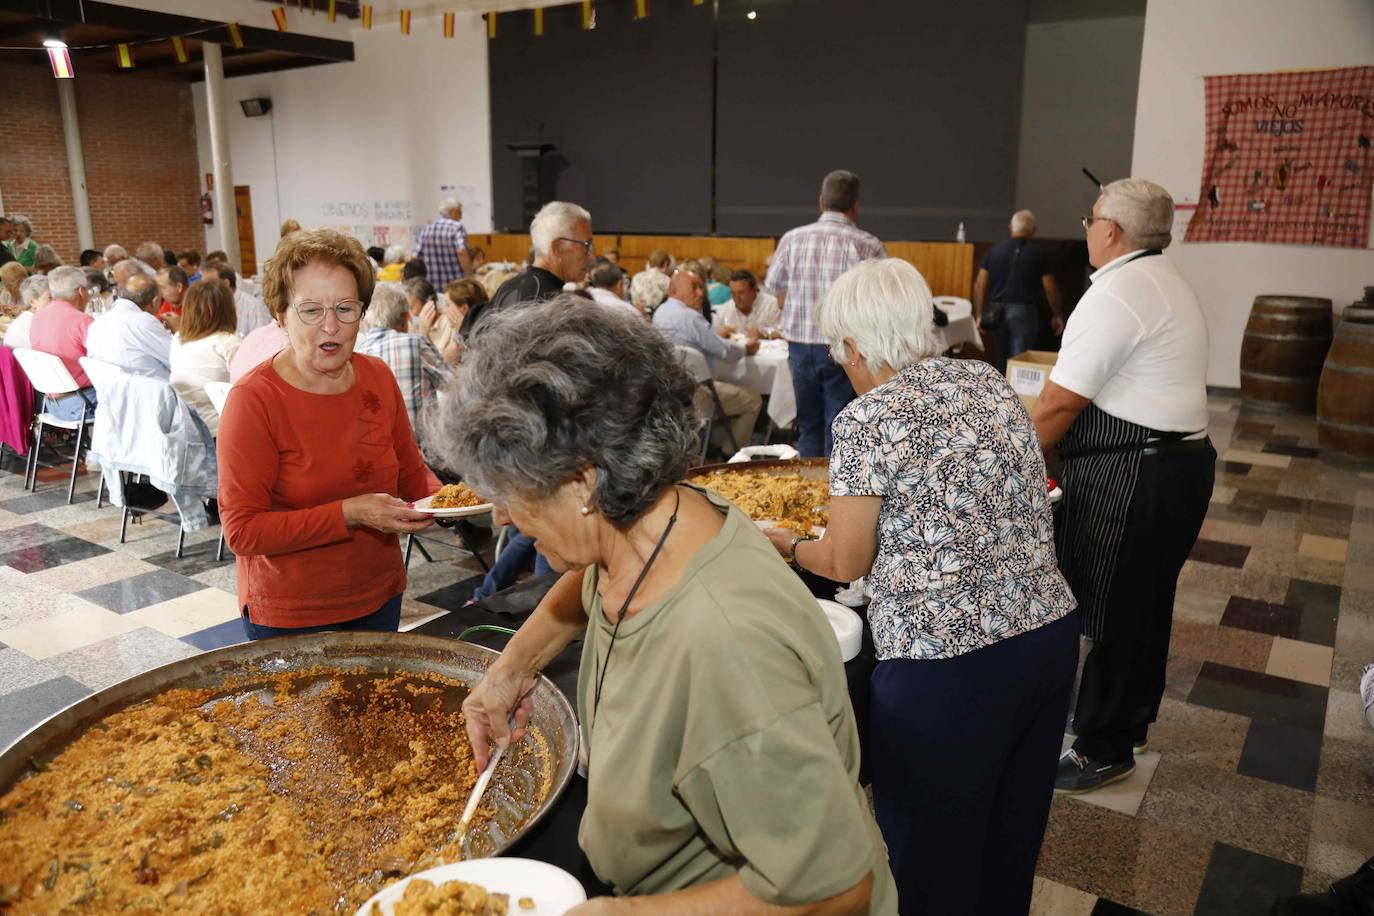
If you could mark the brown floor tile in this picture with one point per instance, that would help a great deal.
(1224, 645)
(1131, 861)
(1345, 717)
(1306, 524)
(1050, 898)
(1252, 814)
(1196, 734)
(1199, 607)
(1254, 535)
(1219, 553)
(1346, 771)
(1275, 560)
(1263, 586)
(1352, 654)
(1300, 661)
(1316, 881)
(1342, 836)
(1180, 676)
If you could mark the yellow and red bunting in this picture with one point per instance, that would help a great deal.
(449, 24)
(333, 10)
(588, 16)
(124, 56)
(367, 17)
(235, 36)
(179, 48)
(279, 17)
(405, 22)
(538, 21)
(61, 61)
(641, 9)
(491, 25)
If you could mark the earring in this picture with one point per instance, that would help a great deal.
(586, 510)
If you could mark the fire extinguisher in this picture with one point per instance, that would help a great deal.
(207, 209)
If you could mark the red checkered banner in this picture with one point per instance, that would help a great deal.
(1288, 159)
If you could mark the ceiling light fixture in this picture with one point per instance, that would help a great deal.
(54, 43)
(751, 15)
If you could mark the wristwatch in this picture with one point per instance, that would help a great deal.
(792, 549)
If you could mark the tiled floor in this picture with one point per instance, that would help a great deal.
(1259, 780)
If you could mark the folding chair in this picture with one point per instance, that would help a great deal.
(102, 375)
(49, 376)
(695, 363)
(218, 393)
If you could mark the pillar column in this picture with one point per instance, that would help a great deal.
(76, 163)
(226, 212)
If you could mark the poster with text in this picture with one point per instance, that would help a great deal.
(1288, 159)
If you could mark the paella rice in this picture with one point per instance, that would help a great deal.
(790, 500)
(455, 496)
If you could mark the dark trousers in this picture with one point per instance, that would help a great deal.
(822, 391)
(1123, 673)
(515, 556)
(963, 754)
(1018, 332)
(386, 618)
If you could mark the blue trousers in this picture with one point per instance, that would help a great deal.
(71, 406)
(509, 565)
(1018, 332)
(386, 618)
(963, 753)
(822, 391)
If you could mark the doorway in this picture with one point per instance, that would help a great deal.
(248, 254)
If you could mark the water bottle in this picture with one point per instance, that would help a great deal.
(959, 236)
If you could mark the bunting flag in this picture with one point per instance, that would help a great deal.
(124, 56)
(367, 17)
(698, 2)
(179, 46)
(588, 16)
(539, 21)
(448, 24)
(279, 17)
(405, 22)
(61, 61)
(333, 10)
(235, 36)
(491, 25)
(641, 9)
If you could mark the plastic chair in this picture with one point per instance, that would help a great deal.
(49, 376)
(695, 363)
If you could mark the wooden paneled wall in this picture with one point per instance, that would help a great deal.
(947, 266)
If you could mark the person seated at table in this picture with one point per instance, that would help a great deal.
(722, 771)
(204, 346)
(679, 318)
(461, 297)
(129, 336)
(427, 320)
(649, 287)
(937, 496)
(33, 295)
(748, 309)
(606, 286)
(172, 282)
(60, 328)
(317, 459)
(393, 261)
(419, 369)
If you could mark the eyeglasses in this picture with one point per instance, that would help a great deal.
(1089, 220)
(586, 246)
(310, 312)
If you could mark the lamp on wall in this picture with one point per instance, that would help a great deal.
(255, 108)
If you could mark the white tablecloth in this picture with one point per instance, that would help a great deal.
(767, 373)
(961, 329)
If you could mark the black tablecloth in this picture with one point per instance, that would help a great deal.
(554, 839)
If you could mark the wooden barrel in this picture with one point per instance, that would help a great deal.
(1281, 356)
(1345, 400)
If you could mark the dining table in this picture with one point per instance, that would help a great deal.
(765, 373)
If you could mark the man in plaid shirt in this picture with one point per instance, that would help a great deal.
(419, 369)
(443, 246)
(807, 261)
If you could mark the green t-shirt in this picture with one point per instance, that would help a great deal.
(725, 740)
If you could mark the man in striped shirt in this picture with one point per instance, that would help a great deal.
(807, 261)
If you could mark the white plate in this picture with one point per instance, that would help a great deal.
(766, 523)
(553, 890)
(422, 505)
(1056, 495)
(848, 627)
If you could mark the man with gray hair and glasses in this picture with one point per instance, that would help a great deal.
(1126, 404)
(60, 328)
(807, 261)
(443, 246)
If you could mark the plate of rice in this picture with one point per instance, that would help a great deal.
(453, 500)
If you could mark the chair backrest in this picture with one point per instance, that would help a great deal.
(101, 373)
(218, 393)
(954, 307)
(695, 362)
(46, 372)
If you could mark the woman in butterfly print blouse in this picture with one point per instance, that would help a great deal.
(938, 496)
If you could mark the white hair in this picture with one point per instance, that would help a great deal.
(884, 307)
(449, 203)
(65, 282)
(115, 253)
(28, 224)
(1143, 210)
(395, 254)
(554, 219)
(1022, 222)
(33, 288)
(389, 308)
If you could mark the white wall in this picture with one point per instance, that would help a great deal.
(1077, 109)
(1188, 39)
(365, 144)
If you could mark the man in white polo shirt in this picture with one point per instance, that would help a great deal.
(1127, 406)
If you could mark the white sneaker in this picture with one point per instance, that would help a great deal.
(1367, 692)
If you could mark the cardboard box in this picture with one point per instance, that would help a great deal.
(1028, 373)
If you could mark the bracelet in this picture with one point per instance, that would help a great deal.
(796, 539)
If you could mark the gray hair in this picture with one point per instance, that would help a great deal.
(27, 223)
(884, 306)
(1022, 222)
(549, 389)
(33, 288)
(1143, 210)
(65, 282)
(554, 219)
(149, 252)
(115, 253)
(450, 203)
(141, 290)
(604, 276)
(395, 254)
(388, 309)
(840, 191)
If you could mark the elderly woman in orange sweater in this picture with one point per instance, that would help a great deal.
(317, 459)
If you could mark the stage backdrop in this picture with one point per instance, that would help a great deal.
(1288, 159)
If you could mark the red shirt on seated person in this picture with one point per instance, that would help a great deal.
(172, 283)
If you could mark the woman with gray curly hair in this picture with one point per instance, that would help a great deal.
(938, 496)
(722, 753)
